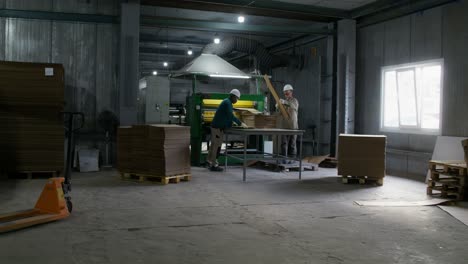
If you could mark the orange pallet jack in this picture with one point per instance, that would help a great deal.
(55, 201)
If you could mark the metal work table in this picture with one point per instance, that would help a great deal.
(246, 133)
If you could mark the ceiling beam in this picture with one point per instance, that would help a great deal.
(375, 7)
(59, 16)
(230, 27)
(406, 8)
(267, 8)
(166, 52)
(148, 38)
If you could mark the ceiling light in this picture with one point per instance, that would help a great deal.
(155, 73)
(229, 76)
(165, 64)
(240, 19)
(189, 51)
(216, 39)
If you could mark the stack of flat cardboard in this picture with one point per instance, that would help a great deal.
(362, 155)
(258, 120)
(31, 99)
(160, 150)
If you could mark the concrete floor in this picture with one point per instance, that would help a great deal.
(216, 218)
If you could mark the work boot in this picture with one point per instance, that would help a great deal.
(216, 168)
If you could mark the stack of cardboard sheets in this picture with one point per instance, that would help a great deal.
(159, 150)
(362, 155)
(31, 99)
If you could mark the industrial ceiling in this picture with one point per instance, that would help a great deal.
(170, 27)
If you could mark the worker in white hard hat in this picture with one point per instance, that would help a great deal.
(288, 143)
(223, 119)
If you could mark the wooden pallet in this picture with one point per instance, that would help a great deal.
(32, 174)
(155, 178)
(446, 192)
(362, 180)
(448, 179)
(454, 168)
(441, 176)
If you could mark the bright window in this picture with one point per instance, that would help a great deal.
(411, 97)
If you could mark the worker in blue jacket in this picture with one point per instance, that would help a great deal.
(223, 119)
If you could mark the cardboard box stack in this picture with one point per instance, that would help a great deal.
(159, 150)
(362, 155)
(31, 99)
(258, 120)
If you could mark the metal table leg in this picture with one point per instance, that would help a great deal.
(245, 157)
(225, 151)
(300, 158)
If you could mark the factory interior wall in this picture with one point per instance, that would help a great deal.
(88, 52)
(432, 34)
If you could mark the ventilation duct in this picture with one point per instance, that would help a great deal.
(265, 59)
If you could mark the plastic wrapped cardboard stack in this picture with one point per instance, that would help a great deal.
(159, 150)
(362, 155)
(31, 99)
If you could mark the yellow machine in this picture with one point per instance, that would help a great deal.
(210, 106)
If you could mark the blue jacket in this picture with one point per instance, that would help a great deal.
(224, 115)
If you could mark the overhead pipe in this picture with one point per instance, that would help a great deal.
(265, 59)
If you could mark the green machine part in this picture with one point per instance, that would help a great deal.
(195, 121)
(197, 126)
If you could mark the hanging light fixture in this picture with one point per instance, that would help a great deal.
(216, 39)
(189, 51)
(165, 64)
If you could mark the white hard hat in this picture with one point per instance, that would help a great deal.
(236, 93)
(287, 87)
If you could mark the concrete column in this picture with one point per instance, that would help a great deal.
(129, 61)
(346, 68)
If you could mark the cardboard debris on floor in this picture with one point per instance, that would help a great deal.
(392, 203)
(315, 159)
(160, 150)
(459, 211)
(31, 99)
(362, 155)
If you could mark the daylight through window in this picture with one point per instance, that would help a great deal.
(411, 97)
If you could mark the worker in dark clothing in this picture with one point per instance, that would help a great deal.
(223, 119)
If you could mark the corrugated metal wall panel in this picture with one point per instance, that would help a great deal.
(28, 40)
(63, 51)
(455, 43)
(2, 38)
(85, 72)
(105, 7)
(370, 56)
(426, 35)
(106, 66)
(397, 41)
(75, 46)
(42, 5)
